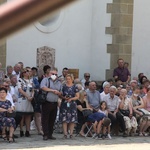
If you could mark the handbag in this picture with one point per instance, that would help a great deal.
(11, 115)
(144, 111)
(23, 105)
(42, 95)
(86, 112)
(124, 112)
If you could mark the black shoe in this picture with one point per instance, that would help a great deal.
(51, 138)
(103, 136)
(15, 136)
(27, 134)
(45, 138)
(125, 134)
(21, 133)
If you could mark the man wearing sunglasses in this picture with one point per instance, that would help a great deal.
(86, 79)
(53, 86)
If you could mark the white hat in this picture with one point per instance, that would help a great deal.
(105, 84)
(133, 81)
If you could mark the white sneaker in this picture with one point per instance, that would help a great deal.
(145, 134)
(94, 136)
(109, 136)
(32, 125)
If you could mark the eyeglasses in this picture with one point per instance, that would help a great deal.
(28, 70)
(54, 74)
(87, 76)
(85, 95)
(6, 86)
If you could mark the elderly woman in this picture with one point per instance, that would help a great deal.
(26, 93)
(125, 111)
(68, 110)
(138, 106)
(5, 107)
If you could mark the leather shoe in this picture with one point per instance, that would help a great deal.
(45, 138)
(15, 136)
(51, 138)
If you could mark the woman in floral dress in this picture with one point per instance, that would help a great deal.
(68, 109)
(6, 122)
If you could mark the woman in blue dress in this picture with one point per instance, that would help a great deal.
(6, 122)
(68, 109)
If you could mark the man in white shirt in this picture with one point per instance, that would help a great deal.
(86, 79)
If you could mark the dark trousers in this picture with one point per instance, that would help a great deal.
(121, 121)
(49, 112)
(113, 120)
(118, 119)
(18, 118)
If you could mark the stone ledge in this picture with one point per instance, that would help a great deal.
(122, 20)
(117, 8)
(123, 1)
(118, 30)
(122, 39)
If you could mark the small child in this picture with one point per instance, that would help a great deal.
(100, 123)
(103, 109)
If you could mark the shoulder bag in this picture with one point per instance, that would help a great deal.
(86, 112)
(42, 95)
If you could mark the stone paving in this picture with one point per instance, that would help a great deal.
(35, 142)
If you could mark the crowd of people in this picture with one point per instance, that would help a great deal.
(120, 106)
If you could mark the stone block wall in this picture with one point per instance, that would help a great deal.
(121, 31)
(3, 47)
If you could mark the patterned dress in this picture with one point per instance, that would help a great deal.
(68, 111)
(24, 106)
(5, 121)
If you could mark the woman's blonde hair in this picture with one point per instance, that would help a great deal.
(81, 94)
(71, 76)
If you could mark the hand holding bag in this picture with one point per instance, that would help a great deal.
(11, 115)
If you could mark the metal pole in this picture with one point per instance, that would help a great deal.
(16, 14)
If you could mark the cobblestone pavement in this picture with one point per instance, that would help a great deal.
(35, 142)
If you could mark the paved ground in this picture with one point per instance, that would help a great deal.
(35, 142)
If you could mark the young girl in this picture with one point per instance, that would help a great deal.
(103, 109)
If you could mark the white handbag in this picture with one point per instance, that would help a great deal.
(23, 105)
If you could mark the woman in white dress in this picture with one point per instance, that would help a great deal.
(24, 106)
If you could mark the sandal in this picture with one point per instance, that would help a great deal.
(140, 134)
(82, 134)
(4, 137)
(65, 137)
(11, 140)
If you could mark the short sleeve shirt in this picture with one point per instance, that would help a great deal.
(94, 98)
(112, 104)
(55, 85)
(122, 73)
